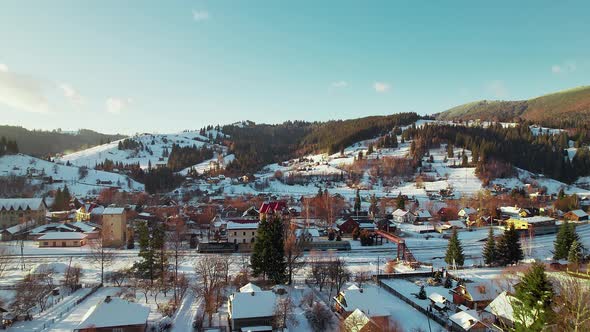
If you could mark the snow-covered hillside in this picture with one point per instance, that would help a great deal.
(89, 185)
(155, 145)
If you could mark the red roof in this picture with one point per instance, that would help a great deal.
(273, 207)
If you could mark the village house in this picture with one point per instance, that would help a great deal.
(514, 212)
(251, 307)
(357, 321)
(422, 215)
(241, 231)
(62, 239)
(501, 310)
(403, 216)
(272, 209)
(537, 225)
(475, 295)
(466, 212)
(115, 315)
(91, 231)
(467, 321)
(576, 215)
(15, 211)
(114, 227)
(438, 301)
(366, 300)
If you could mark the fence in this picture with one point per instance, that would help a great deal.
(428, 314)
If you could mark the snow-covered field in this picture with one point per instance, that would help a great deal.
(22, 165)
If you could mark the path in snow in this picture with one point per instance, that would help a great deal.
(185, 315)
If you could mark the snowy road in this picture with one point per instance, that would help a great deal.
(183, 320)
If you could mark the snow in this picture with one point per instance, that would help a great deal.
(252, 304)
(465, 319)
(19, 164)
(249, 288)
(20, 203)
(115, 312)
(63, 236)
(185, 315)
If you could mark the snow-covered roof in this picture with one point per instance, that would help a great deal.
(113, 210)
(252, 304)
(84, 227)
(242, 225)
(116, 312)
(466, 211)
(63, 236)
(399, 213)
(421, 213)
(538, 219)
(456, 223)
(21, 203)
(20, 227)
(436, 297)
(512, 210)
(579, 213)
(482, 291)
(250, 287)
(313, 232)
(367, 300)
(465, 319)
(501, 306)
(356, 321)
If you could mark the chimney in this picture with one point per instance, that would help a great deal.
(107, 299)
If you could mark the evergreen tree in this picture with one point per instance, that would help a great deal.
(489, 250)
(145, 268)
(158, 247)
(370, 150)
(448, 282)
(575, 253)
(278, 265)
(564, 239)
(401, 202)
(533, 299)
(422, 293)
(357, 202)
(259, 256)
(454, 255)
(509, 250)
(268, 255)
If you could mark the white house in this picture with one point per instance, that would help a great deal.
(402, 216)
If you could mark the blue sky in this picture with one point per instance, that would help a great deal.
(165, 66)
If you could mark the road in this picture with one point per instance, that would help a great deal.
(185, 315)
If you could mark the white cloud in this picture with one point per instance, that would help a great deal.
(22, 92)
(497, 88)
(115, 105)
(339, 84)
(564, 68)
(200, 15)
(71, 93)
(3, 67)
(381, 87)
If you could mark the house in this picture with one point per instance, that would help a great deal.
(438, 301)
(251, 307)
(269, 210)
(514, 212)
(114, 226)
(358, 321)
(475, 295)
(576, 215)
(241, 231)
(467, 321)
(62, 239)
(538, 224)
(115, 315)
(422, 215)
(403, 216)
(307, 234)
(466, 212)
(367, 300)
(17, 231)
(501, 309)
(15, 211)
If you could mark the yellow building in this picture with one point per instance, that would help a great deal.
(538, 224)
(114, 227)
(14, 211)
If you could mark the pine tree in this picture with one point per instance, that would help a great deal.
(454, 255)
(158, 247)
(422, 293)
(534, 296)
(564, 239)
(268, 258)
(514, 249)
(278, 265)
(489, 250)
(357, 202)
(145, 267)
(401, 202)
(448, 282)
(575, 253)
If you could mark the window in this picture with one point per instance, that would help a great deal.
(244, 233)
(45, 243)
(117, 329)
(235, 233)
(243, 240)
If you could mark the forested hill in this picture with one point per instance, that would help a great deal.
(564, 109)
(256, 145)
(41, 143)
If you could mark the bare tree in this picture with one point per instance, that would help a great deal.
(319, 269)
(5, 261)
(284, 313)
(144, 286)
(118, 277)
(293, 251)
(338, 273)
(72, 277)
(100, 254)
(320, 317)
(574, 305)
(210, 273)
(361, 277)
(176, 245)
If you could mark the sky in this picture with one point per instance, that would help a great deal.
(165, 66)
